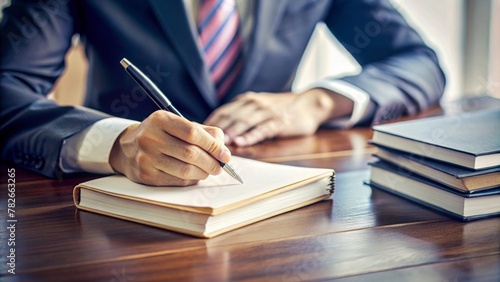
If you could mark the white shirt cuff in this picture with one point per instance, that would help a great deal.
(89, 149)
(360, 98)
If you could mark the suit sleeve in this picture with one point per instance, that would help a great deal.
(34, 38)
(399, 71)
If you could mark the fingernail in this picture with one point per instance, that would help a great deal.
(240, 141)
(225, 155)
(227, 139)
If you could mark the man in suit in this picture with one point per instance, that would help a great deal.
(242, 87)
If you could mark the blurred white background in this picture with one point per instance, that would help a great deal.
(464, 33)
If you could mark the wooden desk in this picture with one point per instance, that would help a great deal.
(360, 234)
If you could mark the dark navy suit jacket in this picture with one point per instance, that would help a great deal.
(400, 73)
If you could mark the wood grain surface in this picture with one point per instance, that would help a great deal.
(360, 234)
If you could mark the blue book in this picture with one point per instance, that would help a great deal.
(455, 177)
(470, 140)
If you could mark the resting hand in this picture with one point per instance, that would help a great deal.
(254, 117)
(169, 150)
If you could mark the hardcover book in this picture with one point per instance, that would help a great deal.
(455, 177)
(462, 205)
(470, 140)
(215, 205)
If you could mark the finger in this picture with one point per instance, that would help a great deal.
(186, 154)
(160, 178)
(196, 135)
(223, 116)
(174, 181)
(247, 121)
(216, 132)
(268, 129)
(210, 144)
(150, 175)
(241, 118)
(180, 169)
(218, 115)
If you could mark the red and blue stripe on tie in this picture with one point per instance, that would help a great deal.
(219, 29)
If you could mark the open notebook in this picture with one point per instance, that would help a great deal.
(213, 206)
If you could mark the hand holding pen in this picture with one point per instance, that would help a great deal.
(167, 149)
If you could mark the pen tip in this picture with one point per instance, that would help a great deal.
(125, 63)
(230, 170)
(239, 179)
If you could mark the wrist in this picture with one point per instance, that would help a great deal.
(116, 157)
(328, 105)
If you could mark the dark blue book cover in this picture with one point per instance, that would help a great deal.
(469, 140)
(453, 170)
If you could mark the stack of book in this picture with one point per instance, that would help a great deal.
(447, 163)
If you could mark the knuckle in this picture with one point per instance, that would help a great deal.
(143, 140)
(142, 160)
(225, 114)
(145, 176)
(251, 97)
(192, 134)
(246, 97)
(215, 132)
(191, 153)
(264, 105)
(212, 146)
(242, 120)
(186, 171)
(218, 132)
(258, 103)
(158, 116)
(249, 94)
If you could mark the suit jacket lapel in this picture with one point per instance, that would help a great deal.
(172, 17)
(267, 14)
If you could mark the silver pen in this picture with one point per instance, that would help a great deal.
(163, 102)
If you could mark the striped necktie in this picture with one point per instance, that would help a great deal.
(219, 29)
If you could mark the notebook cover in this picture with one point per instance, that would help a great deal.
(466, 194)
(476, 133)
(454, 170)
(436, 208)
